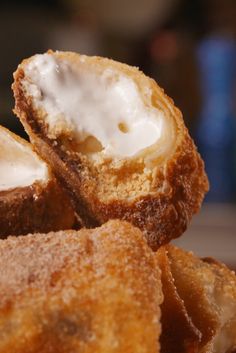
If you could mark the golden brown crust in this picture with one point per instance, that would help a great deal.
(37, 208)
(88, 291)
(40, 207)
(179, 335)
(208, 290)
(179, 181)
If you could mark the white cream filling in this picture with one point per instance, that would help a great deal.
(107, 106)
(19, 165)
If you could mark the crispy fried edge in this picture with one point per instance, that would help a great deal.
(179, 334)
(40, 207)
(185, 268)
(37, 208)
(161, 216)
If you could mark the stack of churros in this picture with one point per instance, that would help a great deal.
(109, 178)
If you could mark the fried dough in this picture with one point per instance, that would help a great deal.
(179, 334)
(114, 139)
(208, 290)
(30, 198)
(88, 291)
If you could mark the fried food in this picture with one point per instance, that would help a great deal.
(114, 139)
(30, 198)
(179, 334)
(88, 291)
(208, 290)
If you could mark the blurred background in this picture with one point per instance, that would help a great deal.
(188, 46)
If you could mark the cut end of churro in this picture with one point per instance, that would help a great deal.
(109, 113)
(28, 190)
(20, 166)
(114, 139)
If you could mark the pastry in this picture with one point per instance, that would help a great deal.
(30, 198)
(88, 291)
(179, 334)
(114, 139)
(208, 290)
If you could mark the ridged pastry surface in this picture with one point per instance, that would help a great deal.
(179, 334)
(208, 290)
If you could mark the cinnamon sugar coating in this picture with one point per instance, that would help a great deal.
(88, 291)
